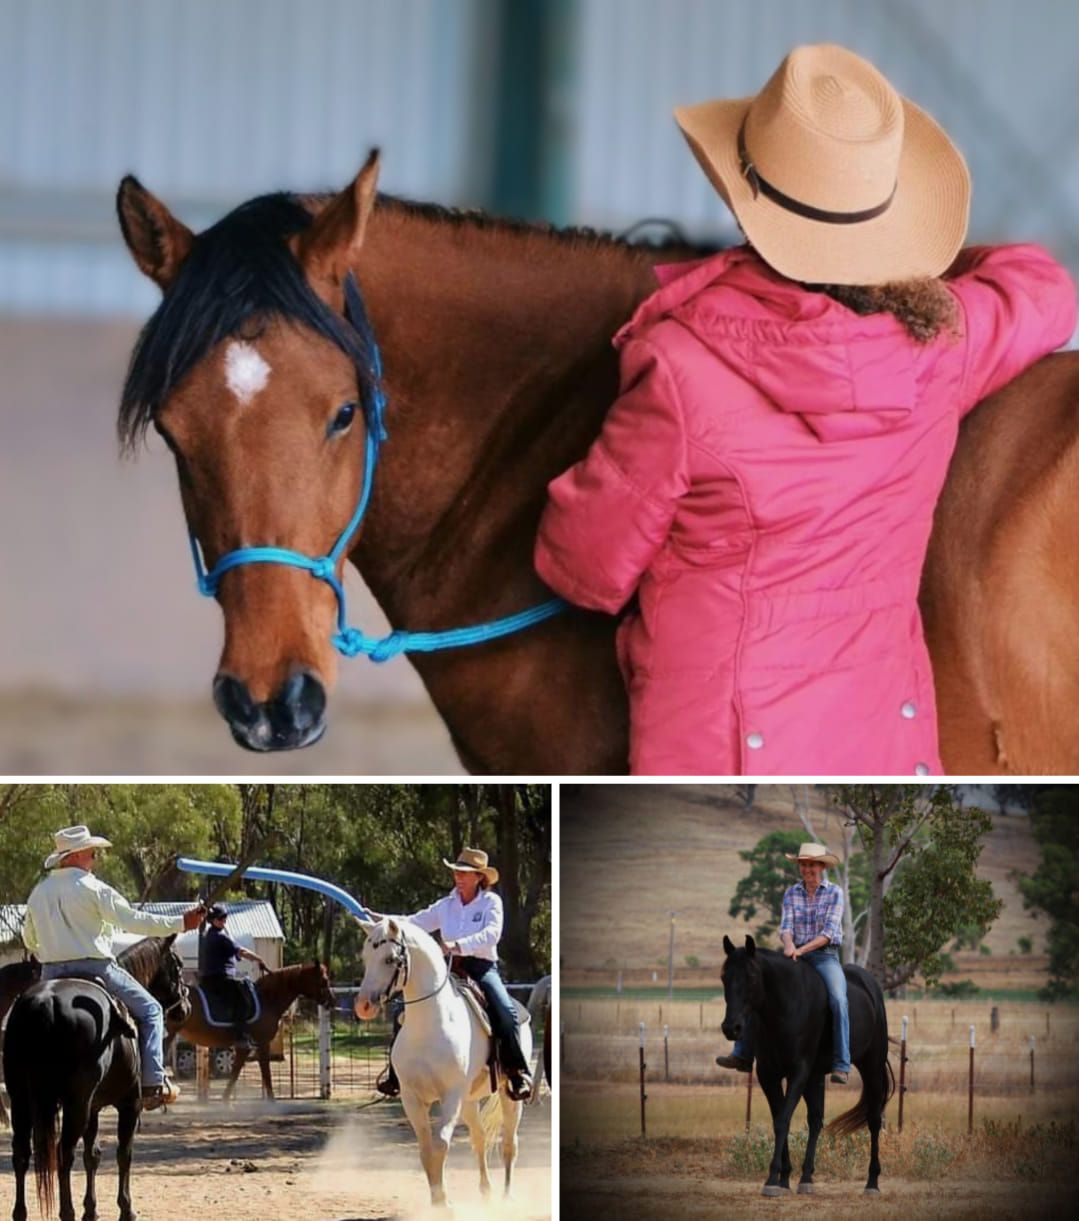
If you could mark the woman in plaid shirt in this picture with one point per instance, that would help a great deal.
(812, 928)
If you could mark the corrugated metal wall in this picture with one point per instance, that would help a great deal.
(212, 102)
(998, 74)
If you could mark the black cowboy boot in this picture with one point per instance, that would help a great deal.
(387, 1082)
(518, 1075)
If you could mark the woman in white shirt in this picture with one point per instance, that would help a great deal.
(469, 922)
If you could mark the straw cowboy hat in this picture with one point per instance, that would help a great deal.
(73, 839)
(815, 852)
(835, 178)
(472, 860)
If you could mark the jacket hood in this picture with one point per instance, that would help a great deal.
(846, 375)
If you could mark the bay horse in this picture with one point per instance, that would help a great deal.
(495, 337)
(15, 978)
(785, 1002)
(441, 1052)
(277, 990)
(68, 1051)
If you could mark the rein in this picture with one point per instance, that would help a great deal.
(404, 959)
(351, 641)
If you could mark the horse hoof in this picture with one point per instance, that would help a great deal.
(871, 1191)
(805, 1189)
(775, 1191)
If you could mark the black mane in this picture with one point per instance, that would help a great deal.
(143, 959)
(240, 274)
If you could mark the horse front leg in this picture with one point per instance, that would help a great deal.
(126, 1123)
(418, 1113)
(91, 1159)
(442, 1137)
(780, 1170)
(814, 1096)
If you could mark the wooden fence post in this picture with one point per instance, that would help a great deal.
(749, 1097)
(1032, 1064)
(666, 1056)
(970, 1096)
(643, 1094)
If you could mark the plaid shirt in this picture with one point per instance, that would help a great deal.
(822, 916)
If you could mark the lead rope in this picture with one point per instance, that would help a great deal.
(352, 641)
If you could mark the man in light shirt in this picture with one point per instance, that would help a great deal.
(71, 917)
(469, 920)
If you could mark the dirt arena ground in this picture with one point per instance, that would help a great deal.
(302, 1161)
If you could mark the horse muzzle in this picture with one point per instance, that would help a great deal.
(365, 1008)
(293, 717)
(731, 1030)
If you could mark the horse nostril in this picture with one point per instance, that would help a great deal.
(234, 702)
(302, 699)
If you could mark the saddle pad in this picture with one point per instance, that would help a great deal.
(473, 997)
(218, 1023)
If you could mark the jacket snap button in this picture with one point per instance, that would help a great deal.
(755, 741)
(908, 710)
(921, 769)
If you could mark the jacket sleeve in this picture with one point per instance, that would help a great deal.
(29, 933)
(608, 516)
(116, 910)
(1018, 304)
(490, 931)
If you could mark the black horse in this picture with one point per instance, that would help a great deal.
(69, 1049)
(785, 1002)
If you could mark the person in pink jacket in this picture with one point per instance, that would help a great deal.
(762, 492)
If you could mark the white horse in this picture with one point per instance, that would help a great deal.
(441, 1052)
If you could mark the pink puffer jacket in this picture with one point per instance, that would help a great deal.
(765, 483)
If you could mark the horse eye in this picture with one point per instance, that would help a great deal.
(343, 419)
(389, 961)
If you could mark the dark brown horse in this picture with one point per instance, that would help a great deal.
(495, 340)
(277, 990)
(69, 1053)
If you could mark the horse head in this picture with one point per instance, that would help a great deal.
(258, 384)
(316, 981)
(156, 965)
(743, 986)
(386, 965)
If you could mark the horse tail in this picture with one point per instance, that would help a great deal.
(850, 1121)
(45, 1136)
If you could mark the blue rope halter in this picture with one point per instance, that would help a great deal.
(351, 641)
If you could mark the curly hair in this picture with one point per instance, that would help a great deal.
(925, 308)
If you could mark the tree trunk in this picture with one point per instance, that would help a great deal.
(875, 959)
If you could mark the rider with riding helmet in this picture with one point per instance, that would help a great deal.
(469, 921)
(70, 920)
(218, 956)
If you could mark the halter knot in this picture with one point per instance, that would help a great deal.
(389, 646)
(349, 642)
(323, 568)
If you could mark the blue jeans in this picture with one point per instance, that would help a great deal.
(144, 1009)
(502, 1010)
(830, 970)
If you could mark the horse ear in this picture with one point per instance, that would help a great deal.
(328, 249)
(158, 242)
(728, 947)
(169, 940)
(751, 946)
(392, 927)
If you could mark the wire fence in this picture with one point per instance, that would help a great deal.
(1021, 1047)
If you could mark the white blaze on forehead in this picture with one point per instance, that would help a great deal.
(246, 373)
